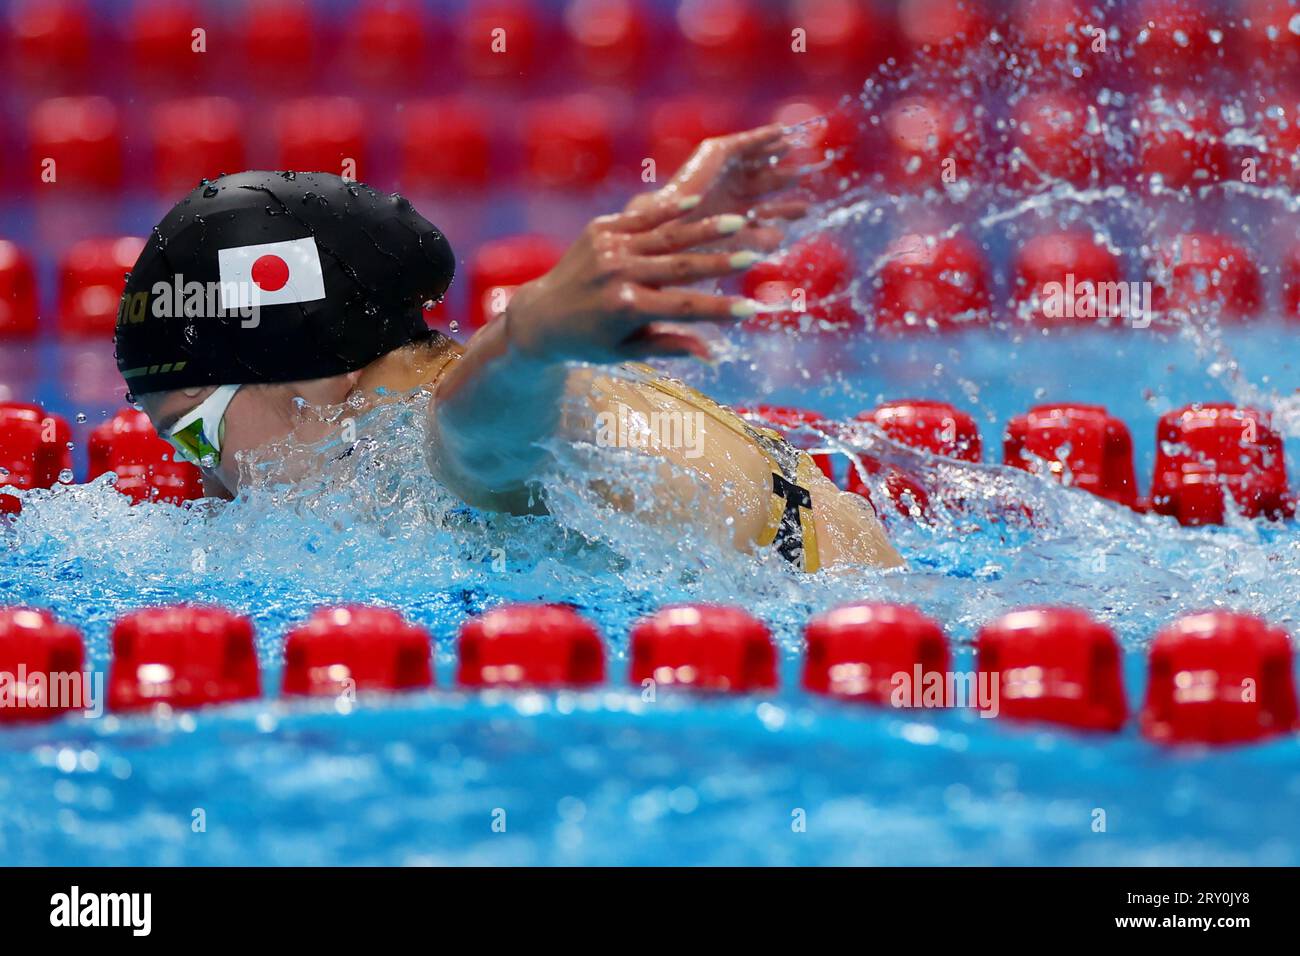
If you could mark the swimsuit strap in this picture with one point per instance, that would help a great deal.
(790, 525)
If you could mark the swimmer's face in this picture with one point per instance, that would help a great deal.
(258, 416)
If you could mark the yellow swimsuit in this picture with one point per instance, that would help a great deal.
(790, 523)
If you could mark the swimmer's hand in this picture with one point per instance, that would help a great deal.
(616, 295)
(742, 174)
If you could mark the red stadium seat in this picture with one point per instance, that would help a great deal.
(569, 142)
(1173, 38)
(322, 134)
(929, 142)
(91, 279)
(941, 31)
(500, 40)
(160, 40)
(1181, 139)
(196, 138)
(81, 135)
(18, 298)
(445, 144)
(610, 39)
(501, 266)
(1059, 138)
(679, 125)
(388, 42)
(279, 43)
(844, 39)
(51, 39)
(724, 39)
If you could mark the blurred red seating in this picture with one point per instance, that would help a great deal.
(845, 39)
(932, 282)
(145, 465)
(929, 142)
(279, 43)
(1079, 445)
(1052, 32)
(942, 31)
(568, 142)
(322, 134)
(1061, 138)
(1181, 139)
(18, 298)
(444, 144)
(50, 39)
(723, 40)
(160, 39)
(610, 39)
(501, 266)
(500, 40)
(1056, 279)
(91, 278)
(1173, 38)
(82, 136)
(196, 138)
(680, 124)
(389, 42)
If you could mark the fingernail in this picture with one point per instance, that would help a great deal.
(744, 309)
(690, 202)
(743, 260)
(730, 223)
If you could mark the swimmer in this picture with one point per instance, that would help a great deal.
(262, 291)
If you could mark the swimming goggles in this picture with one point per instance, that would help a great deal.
(197, 434)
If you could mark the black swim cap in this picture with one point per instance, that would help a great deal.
(338, 273)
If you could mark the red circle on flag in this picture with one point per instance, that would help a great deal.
(270, 273)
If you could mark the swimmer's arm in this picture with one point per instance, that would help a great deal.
(615, 296)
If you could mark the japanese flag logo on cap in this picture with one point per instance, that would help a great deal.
(270, 273)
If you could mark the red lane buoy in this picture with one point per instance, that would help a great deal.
(811, 280)
(856, 651)
(1219, 678)
(1202, 272)
(530, 645)
(1055, 665)
(704, 647)
(501, 266)
(145, 465)
(355, 648)
(43, 658)
(34, 450)
(1079, 445)
(181, 656)
(1207, 453)
(932, 282)
(1069, 279)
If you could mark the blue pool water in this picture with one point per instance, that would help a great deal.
(606, 777)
